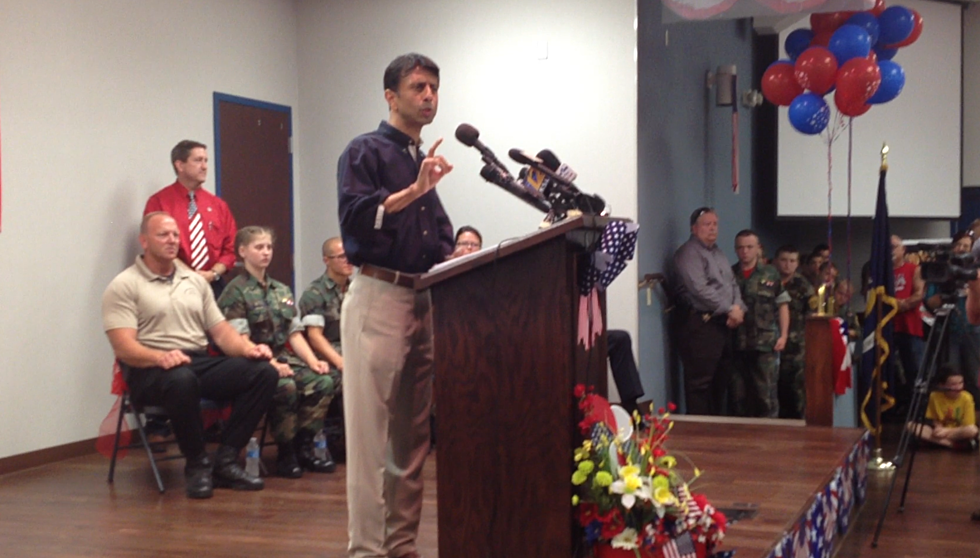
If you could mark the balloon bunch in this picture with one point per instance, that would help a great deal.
(847, 53)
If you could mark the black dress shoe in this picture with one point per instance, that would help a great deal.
(197, 473)
(229, 474)
(286, 465)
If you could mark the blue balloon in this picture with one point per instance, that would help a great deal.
(797, 42)
(896, 24)
(849, 41)
(809, 113)
(868, 22)
(892, 82)
(884, 53)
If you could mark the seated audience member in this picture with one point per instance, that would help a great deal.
(624, 371)
(468, 240)
(950, 418)
(158, 315)
(262, 310)
(320, 303)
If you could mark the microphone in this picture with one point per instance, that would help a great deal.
(554, 179)
(495, 175)
(470, 137)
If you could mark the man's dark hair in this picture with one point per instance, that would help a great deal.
(746, 232)
(786, 249)
(406, 64)
(699, 212)
(944, 372)
(469, 229)
(182, 151)
(820, 248)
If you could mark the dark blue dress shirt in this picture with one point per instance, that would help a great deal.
(374, 166)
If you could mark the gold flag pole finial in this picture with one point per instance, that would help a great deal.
(884, 157)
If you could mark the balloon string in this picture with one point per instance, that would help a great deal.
(850, 153)
(830, 191)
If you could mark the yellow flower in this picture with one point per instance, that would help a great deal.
(668, 461)
(663, 496)
(586, 466)
(602, 478)
(633, 482)
(578, 477)
(661, 481)
(629, 470)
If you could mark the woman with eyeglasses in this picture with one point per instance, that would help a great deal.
(468, 240)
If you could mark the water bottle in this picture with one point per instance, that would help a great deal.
(320, 446)
(252, 457)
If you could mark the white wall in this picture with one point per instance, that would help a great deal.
(92, 97)
(971, 96)
(580, 103)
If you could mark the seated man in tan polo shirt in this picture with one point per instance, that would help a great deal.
(158, 315)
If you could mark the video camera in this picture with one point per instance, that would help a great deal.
(941, 266)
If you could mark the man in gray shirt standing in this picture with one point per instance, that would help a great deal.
(709, 307)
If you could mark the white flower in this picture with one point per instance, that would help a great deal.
(626, 539)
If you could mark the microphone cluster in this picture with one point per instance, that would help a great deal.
(544, 182)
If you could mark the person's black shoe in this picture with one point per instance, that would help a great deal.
(286, 465)
(307, 456)
(229, 474)
(197, 473)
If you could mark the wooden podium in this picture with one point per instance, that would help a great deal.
(507, 358)
(819, 371)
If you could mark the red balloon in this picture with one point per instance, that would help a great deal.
(857, 81)
(879, 7)
(822, 38)
(828, 22)
(848, 107)
(914, 35)
(816, 70)
(779, 84)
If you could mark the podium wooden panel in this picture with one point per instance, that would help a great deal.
(507, 358)
(819, 371)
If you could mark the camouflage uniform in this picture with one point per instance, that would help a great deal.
(753, 391)
(792, 385)
(320, 307)
(267, 314)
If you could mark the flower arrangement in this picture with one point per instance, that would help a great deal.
(630, 497)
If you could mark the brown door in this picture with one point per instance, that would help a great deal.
(254, 171)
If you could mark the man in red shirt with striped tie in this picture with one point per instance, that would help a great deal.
(207, 227)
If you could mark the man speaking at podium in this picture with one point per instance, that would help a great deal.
(393, 224)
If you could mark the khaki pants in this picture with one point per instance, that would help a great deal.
(386, 332)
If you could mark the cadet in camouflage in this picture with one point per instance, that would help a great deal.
(762, 335)
(320, 304)
(803, 302)
(263, 310)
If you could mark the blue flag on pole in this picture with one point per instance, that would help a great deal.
(875, 382)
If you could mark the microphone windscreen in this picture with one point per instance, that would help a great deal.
(467, 134)
(523, 158)
(549, 159)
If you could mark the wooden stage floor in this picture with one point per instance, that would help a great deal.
(67, 509)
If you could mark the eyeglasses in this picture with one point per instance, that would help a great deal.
(467, 244)
(341, 257)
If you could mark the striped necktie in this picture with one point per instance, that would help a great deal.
(199, 248)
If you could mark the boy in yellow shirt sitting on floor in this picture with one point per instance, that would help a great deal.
(950, 418)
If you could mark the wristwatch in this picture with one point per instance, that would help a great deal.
(216, 276)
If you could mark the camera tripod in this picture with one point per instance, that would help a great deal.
(935, 345)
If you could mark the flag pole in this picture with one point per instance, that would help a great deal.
(877, 462)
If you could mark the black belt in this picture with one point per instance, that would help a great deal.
(388, 276)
